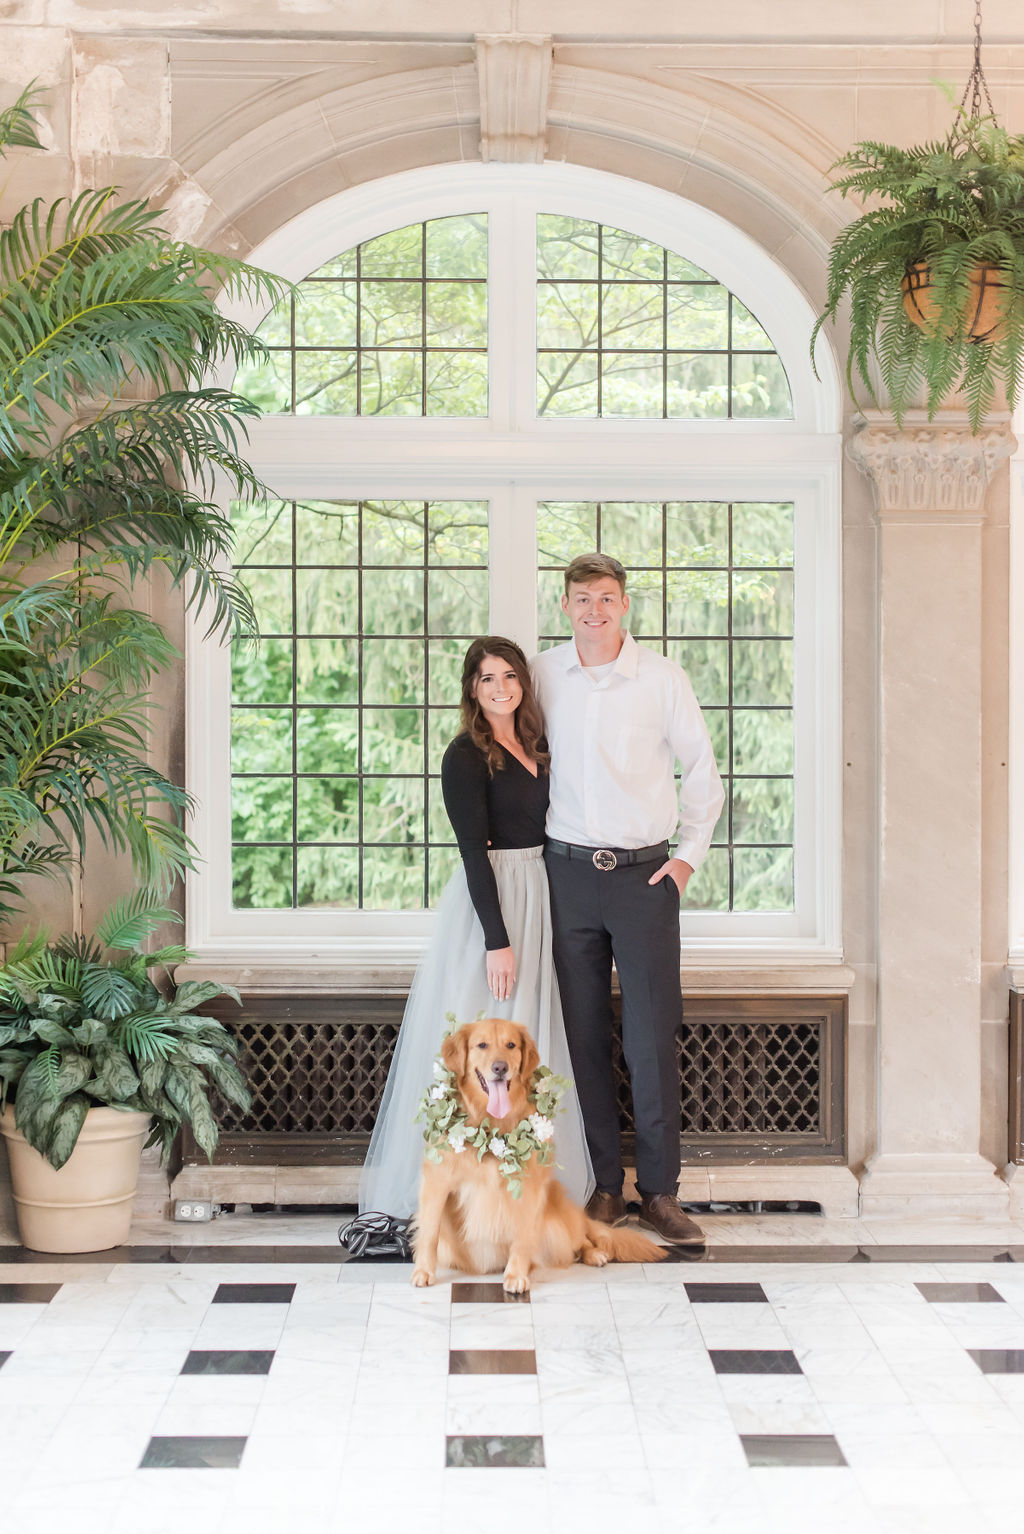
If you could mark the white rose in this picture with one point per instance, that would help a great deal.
(541, 1126)
(497, 1147)
(457, 1139)
(437, 1094)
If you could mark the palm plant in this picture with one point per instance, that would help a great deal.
(110, 447)
(80, 1029)
(950, 211)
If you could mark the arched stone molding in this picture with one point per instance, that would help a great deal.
(294, 142)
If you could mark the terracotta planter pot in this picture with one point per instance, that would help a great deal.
(87, 1205)
(984, 311)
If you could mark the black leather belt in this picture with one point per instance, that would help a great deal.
(607, 858)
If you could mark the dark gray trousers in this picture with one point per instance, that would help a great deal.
(598, 917)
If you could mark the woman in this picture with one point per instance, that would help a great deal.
(491, 954)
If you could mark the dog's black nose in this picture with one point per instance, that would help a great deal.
(499, 1069)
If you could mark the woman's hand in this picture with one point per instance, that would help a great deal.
(501, 972)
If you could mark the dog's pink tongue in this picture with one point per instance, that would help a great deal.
(497, 1099)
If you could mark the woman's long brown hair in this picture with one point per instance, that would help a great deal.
(529, 725)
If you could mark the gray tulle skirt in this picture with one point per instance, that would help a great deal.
(452, 977)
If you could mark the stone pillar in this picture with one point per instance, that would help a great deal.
(930, 480)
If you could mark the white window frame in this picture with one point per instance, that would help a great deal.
(513, 459)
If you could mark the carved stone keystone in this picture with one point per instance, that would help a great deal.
(515, 74)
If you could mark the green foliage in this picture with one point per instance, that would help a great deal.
(110, 441)
(954, 205)
(80, 1029)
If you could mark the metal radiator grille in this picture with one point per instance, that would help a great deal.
(761, 1072)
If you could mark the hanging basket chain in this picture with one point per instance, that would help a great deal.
(976, 82)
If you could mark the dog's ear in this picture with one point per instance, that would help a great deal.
(531, 1057)
(454, 1051)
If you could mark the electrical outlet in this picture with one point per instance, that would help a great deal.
(193, 1209)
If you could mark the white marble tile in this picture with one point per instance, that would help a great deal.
(879, 1451)
(497, 1415)
(608, 1390)
(978, 1451)
(614, 1460)
(189, 1417)
(152, 1356)
(764, 1389)
(679, 1415)
(589, 1364)
(779, 1417)
(881, 1389)
(910, 1486)
(705, 1462)
(379, 1452)
(400, 1417)
(490, 1334)
(516, 1389)
(575, 1416)
(17, 1390)
(805, 1488)
(966, 1416)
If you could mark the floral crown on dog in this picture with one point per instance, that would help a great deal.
(446, 1128)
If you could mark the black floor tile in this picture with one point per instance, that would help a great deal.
(486, 1294)
(492, 1361)
(27, 1294)
(199, 1453)
(998, 1360)
(3, 1359)
(726, 1294)
(960, 1294)
(754, 1361)
(487, 1450)
(228, 1361)
(805, 1449)
(253, 1294)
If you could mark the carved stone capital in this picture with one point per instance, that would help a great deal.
(515, 75)
(937, 467)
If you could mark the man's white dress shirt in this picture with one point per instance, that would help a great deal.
(614, 744)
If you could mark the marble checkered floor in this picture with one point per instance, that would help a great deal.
(235, 1389)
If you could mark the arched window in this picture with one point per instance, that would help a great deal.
(482, 372)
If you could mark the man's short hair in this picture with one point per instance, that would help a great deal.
(593, 567)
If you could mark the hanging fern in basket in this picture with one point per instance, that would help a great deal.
(935, 275)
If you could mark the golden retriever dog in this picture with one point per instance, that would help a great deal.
(467, 1216)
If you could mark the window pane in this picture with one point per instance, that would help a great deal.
(392, 740)
(261, 673)
(567, 384)
(327, 739)
(762, 534)
(391, 314)
(262, 533)
(391, 383)
(550, 618)
(456, 383)
(457, 532)
(392, 671)
(698, 602)
(444, 660)
(393, 532)
(698, 386)
(456, 314)
(327, 601)
(393, 602)
(763, 879)
(261, 740)
(762, 673)
(697, 533)
(627, 255)
(763, 740)
(632, 385)
(762, 603)
(327, 876)
(327, 533)
(396, 254)
(328, 809)
(443, 863)
(760, 389)
(747, 334)
(271, 592)
(325, 314)
(566, 247)
(325, 383)
(457, 601)
(261, 809)
(565, 528)
(439, 828)
(646, 605)
(698, 318)
(261, 878)
(268, 382)
(567, 315)
(633, 531)
(633, 316)
(393, 810)
(762, 810)
(327, 670)
(393, 878)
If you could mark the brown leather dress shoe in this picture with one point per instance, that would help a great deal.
(661, 1213)
(609, 1208)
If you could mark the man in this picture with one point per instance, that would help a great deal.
(618, 718)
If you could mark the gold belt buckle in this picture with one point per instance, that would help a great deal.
(605, 859)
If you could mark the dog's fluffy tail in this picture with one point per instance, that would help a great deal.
(623, 1245)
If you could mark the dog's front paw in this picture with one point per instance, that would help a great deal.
(422, 1278)
(593, 1257)
(515, 1283)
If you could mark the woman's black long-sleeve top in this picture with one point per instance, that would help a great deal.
(505, 809)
